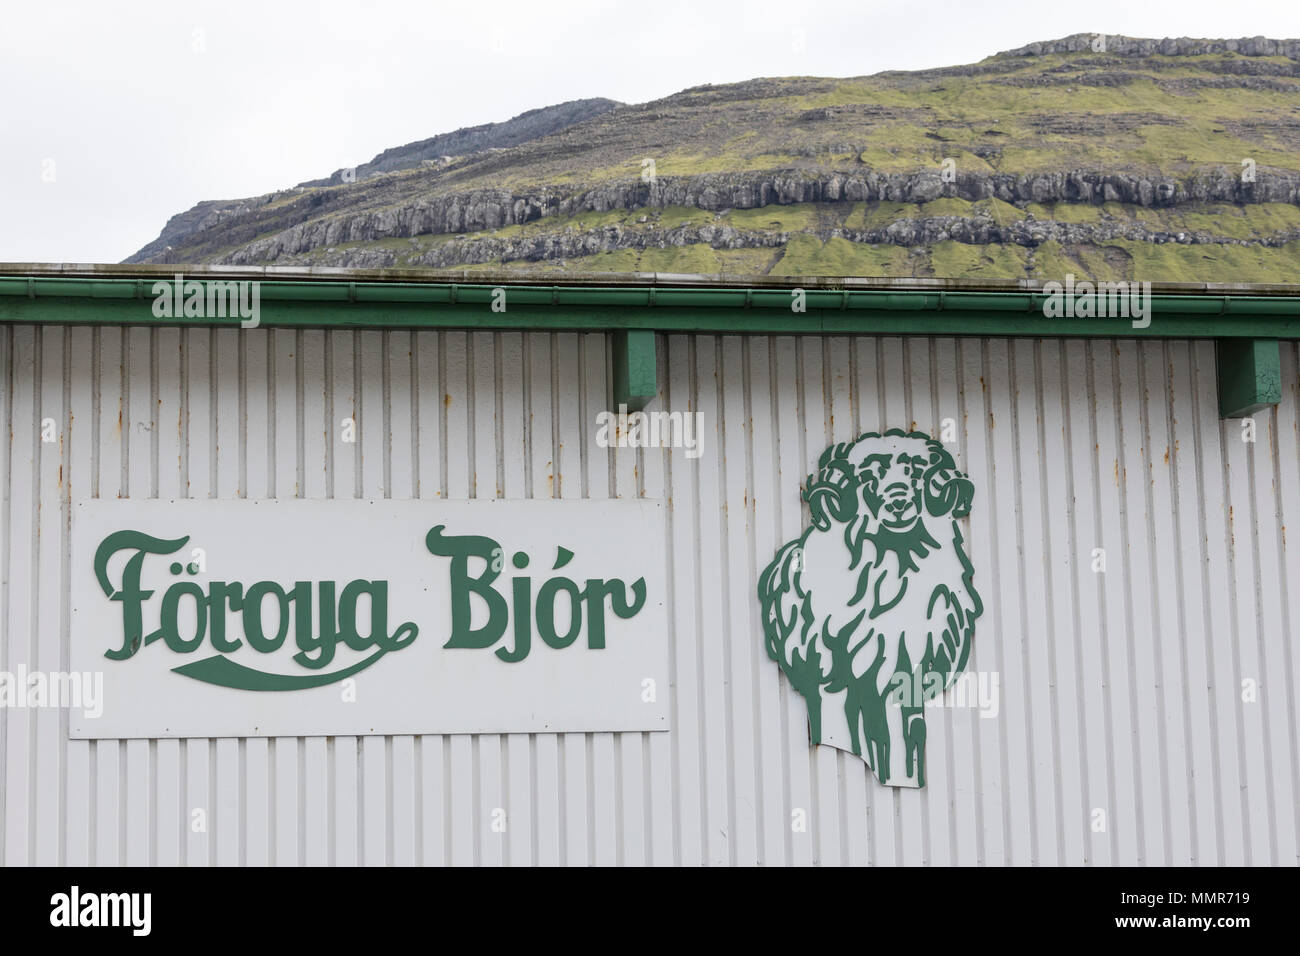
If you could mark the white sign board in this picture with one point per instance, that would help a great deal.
(213, 618)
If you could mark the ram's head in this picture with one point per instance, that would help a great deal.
(887, 487)
(876, 593)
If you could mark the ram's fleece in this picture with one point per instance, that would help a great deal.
(875, 597)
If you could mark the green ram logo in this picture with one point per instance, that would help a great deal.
(875, 598)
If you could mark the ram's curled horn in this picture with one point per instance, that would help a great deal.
(946, 489)
(831, 493)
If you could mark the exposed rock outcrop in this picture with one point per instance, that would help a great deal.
(493, 209)
(1116, 45)
(907, 232)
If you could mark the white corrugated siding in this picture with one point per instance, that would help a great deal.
(1120, 691)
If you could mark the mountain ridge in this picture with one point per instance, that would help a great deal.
(1055, 154)
(464, 141)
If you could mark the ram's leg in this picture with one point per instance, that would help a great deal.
(915, 742)
(814, 702)
(875, 727)
(906, 737)
(853, 714)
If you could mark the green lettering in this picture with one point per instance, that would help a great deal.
(325, 641)
(168, 629)
(257, 638)
(378, 591)
(219, 594)
(546, 612)
(523, 588)
(594, 595)
(129, 594)
(460, 548)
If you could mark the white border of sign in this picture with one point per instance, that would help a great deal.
(422, 687)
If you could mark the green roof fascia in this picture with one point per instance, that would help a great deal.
(328, 303)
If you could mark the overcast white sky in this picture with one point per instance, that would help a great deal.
(139, 110)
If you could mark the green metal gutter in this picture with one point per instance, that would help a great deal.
(709, 309)
(1252, 317)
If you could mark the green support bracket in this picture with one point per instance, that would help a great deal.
(1250, 376)
(636, 372)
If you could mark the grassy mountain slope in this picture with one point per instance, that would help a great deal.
(1163, 160)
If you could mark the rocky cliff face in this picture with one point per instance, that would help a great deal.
(1063, 147)
(481, 210)
(1169, 46)
(905, 233)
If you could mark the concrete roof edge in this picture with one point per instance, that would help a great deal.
(599, 279)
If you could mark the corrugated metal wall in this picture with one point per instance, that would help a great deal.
(1121, 691)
